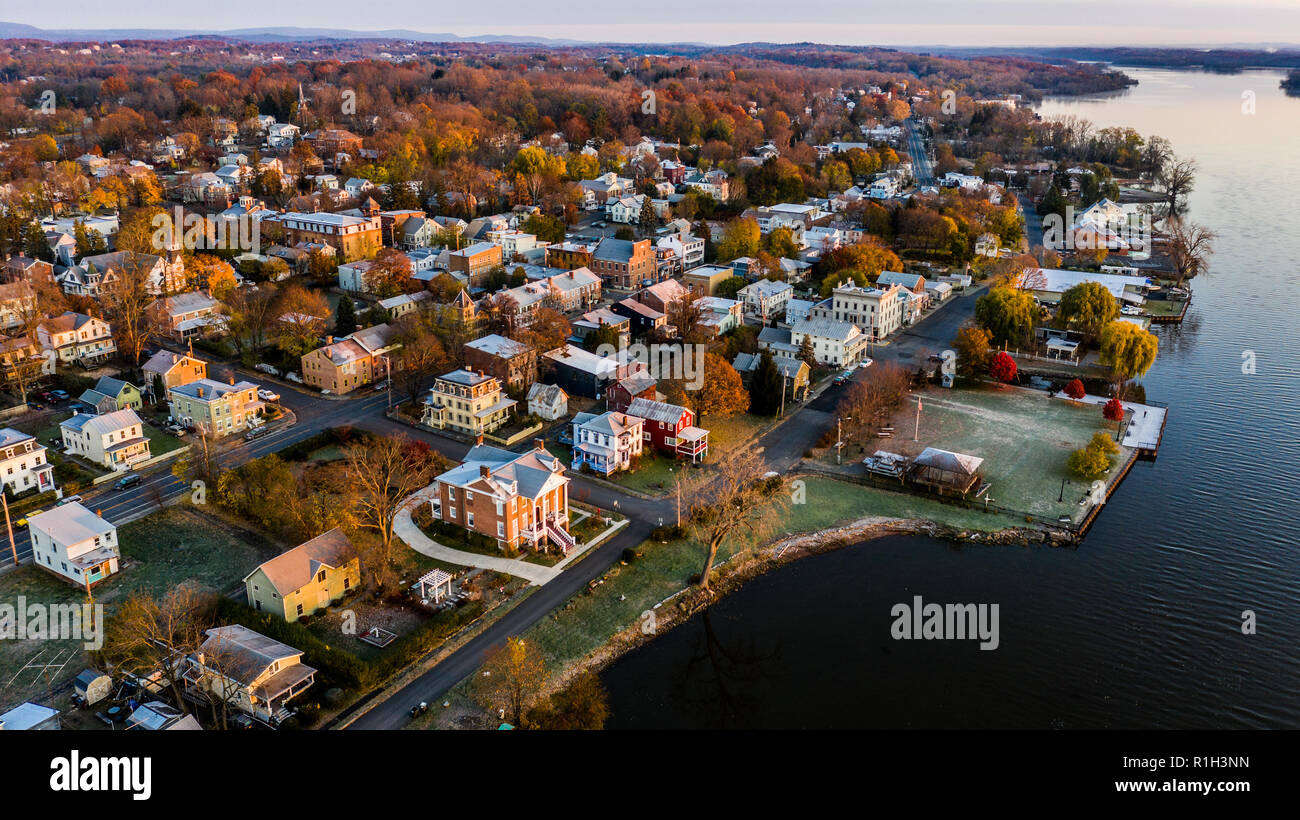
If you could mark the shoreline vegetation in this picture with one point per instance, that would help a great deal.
(597, 627)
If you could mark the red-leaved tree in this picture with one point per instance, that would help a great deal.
(1003, 367)
(1075, 389)
(1114, 410)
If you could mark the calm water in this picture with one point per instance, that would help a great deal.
(1140, 625)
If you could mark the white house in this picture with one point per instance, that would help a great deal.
(115, 440)
(23, 464)
(766, 299)
(833, 342)
(547, 401)
(73, 542)
(608, 442)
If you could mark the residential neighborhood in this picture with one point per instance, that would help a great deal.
(384, 382)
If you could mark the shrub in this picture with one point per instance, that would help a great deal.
(1075, 389)
(1113, 410)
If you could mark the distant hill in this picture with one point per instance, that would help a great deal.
(264, 35)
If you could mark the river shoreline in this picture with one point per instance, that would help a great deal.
(731, 575)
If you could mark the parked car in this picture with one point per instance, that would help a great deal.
(59, 395)
(381, 385)
(21, 523)
(35, 405)
(266, 368)
(69, 499)
(293, 377)
(325, 391)
(47, 397)
(256, 433)
(864, 363)
(268, 395)
(126, 482)
(54, 441)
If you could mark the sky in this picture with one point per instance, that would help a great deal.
(848, 22)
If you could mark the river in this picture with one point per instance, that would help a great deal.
(1140, 625)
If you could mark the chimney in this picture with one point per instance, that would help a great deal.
(478, 440)
(200, 392)
(484, 471)
(232, 379)
(539, 444)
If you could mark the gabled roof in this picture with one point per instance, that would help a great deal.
(656, 410)
(293, 569)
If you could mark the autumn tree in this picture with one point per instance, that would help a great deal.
(1003, 367)
(583, 704)
(1128, 350)
(422, 354)
(1190, 246)
(1075, 389)
(147, 635)
(127, 299)
(389, 273)
(1088, 306)
(512, 676)
(1009, 314)
(300, 319)
(740, 238)
(974, 353)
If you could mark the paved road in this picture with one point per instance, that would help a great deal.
(160, 487)
(921, 169)
(1033, 222)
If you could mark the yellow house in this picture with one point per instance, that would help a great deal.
(468, 401)
(306, 578)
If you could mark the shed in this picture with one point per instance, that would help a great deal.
(92, 686)
(30, 717)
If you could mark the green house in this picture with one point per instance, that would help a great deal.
(110, 395)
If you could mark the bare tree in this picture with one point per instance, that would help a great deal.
(127, 300)
(1175, 180)
(384, 472)
(733, 498)
(148, 636)
(1190, 246)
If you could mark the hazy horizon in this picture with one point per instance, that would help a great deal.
(1047, 23)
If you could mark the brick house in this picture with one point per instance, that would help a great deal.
(517, 499)
(475, 262)
(631, 382)
(624, 263)
(353, 237)
(514, 363)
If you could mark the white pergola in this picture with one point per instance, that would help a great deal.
(436, 582)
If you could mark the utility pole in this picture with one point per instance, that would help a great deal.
(916, 435)
(9, 526)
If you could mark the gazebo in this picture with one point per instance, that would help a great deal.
(946, 470)
(435, 585)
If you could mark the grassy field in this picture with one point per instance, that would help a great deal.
(1023, 436)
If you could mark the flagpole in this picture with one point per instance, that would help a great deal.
(916, 436)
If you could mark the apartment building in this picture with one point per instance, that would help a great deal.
(352, 237)
(23, 465)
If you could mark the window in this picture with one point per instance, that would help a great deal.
(320, 576)
(299, 609)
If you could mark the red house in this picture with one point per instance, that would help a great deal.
(631, 382)
(671, 429)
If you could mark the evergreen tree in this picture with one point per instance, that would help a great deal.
(806, 353)
(345, 320)
(765, 387)
(34, 244)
